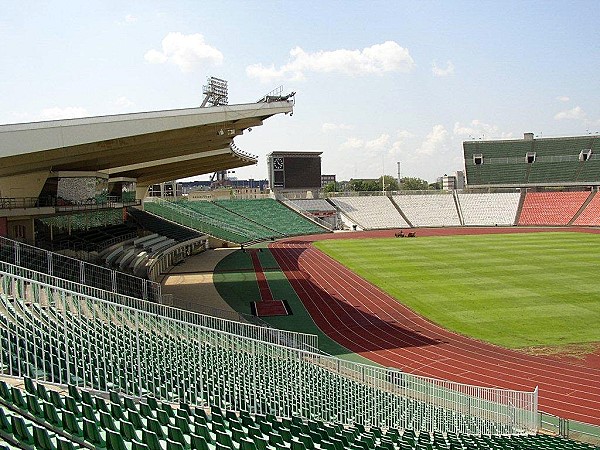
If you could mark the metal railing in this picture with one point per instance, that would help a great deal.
(236, 323)
(568, 428)
(106, 345)
(82, 272)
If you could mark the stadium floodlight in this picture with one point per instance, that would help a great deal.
(215, 92)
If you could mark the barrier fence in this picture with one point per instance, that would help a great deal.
(236, 324)
(76, 270)
(49, 332)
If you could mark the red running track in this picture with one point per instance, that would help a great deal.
(367, 321)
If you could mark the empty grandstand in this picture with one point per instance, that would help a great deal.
(551, 208)
(564, 161)
(373, 212)
(489, 209)
(429, 210)
(237, 221)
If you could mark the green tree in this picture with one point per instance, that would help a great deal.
(391, 184)
(437, 186)
(414, 184)
(330, 187)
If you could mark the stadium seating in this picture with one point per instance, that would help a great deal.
(489, 209)
(155, 224)
(437, 210)
(42, 417)
(311, 205)
(272, 214)
(551, 208)
(372, 212)
(590, 216)
(54, 334)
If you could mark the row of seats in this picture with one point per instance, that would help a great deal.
(551, 208)
(239, 221)
(477, 209)
(51, 334)
(46, 419)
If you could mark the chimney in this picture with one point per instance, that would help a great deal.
(528, 136)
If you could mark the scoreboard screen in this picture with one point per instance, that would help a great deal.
(302, 172)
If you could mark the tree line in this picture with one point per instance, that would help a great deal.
(383, 183)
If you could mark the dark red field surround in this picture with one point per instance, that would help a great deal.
(367, 321)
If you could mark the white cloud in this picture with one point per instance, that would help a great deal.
(477, 128)
(353, 143)
(575, 114)
(377, 59)
(185, 51)
(434, 142)
(68, 112)
(326, 127)
(123, 102)
(442, 72)
(563, 98)
(127, 20)
(378, 143)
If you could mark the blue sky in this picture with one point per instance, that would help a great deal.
(377, 82)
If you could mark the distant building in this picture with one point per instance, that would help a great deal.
(225, 194)
(451, 182)
(166, 189)
(326, 179)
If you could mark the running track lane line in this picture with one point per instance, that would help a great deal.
(566, 390)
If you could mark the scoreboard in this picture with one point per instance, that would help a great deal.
(294, 170)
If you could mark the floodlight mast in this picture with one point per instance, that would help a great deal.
(215, 92)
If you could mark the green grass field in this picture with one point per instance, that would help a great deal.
(514, 290)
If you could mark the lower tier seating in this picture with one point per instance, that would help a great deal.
(551, 208)
(48, 417)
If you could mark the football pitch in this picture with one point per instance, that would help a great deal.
(514, 290)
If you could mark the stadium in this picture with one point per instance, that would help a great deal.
(96, 353)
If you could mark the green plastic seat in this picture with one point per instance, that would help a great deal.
(128, 403)
(5, 391)
(101, 405)
(29, 386)
(71, 405)
(51, 415)
(42, 392)
(17, 398)
(87, 398)
(176, 435)
(5, 424)
(56, 400)
(135, 445)
(260, 442)
(92, 434)
(64, 444)
(219, 446)
(41, 439)
(146, 410)
(183, 425)
(247, 444)
(199, 443)
(117, 411)
(151, 440)
(154, 426)
(70, 423)
(162, 417)
(223, 438)
(21, 431)
(114, 441)
(88, 412)
(202, 431)
(135, 419)
(74, 392)
(127, 430)
(115, 398)
(33, 406)
(297, 445)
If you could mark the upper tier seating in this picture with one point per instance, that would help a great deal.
(489, 209)
(272, 214)
(590, 216)
(372, 212)
(437, 210)
(551, 208)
